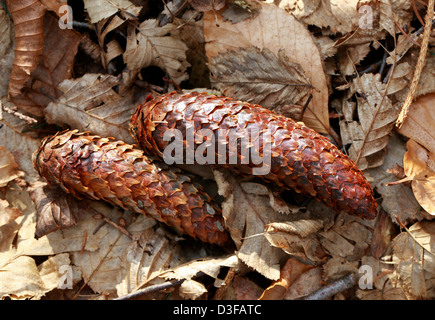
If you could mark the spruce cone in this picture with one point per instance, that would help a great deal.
(104, 169)
(300, 158)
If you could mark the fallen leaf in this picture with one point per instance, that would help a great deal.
(21, 144)
(296, 238)
(91, 104)
(150, 45)
(207, 5)
(419, 165)
(276, 30)
(8, 214)
(247, 210)
(420, 121)
(290, 272)
(369, 137)
(305, 284)
(257, 75)
(55, 65)
(8, 167)
(413, 257)
(28, 18)
(54, 208)
(101, 9)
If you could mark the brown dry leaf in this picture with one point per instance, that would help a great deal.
(6, 52)
(247, 210)
(290, 272)
(7, 214)
(342, 16)
(369, 137)
(151, 45)
(297, 238)
(382, 234)
(8, 167)
(21, 145)
(275, 29)
(257, 75)
(397, 200)
(207, 5)
(28, 18)
(420, 122)
(54, 208)
(413, 257)
(307, 283)
(101, 9)
(91, 104)
(103, 28)
(419, 165)
(348, 238)
(55, 65)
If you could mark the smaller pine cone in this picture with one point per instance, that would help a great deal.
(104, 169)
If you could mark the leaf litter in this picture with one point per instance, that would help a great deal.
(358, 80)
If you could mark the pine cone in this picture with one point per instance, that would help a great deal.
(104, 169)
(300, 158)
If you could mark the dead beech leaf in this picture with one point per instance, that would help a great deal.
(369, 137)
(55, 65)
(246, 210)
(101, 9)
(90, 104)
(275, 29)
(419, 165)
(259, 76)
(28, 18)
(21, 145)
(413, 257)
(348, 238)
(207, 5)
(297, 238)
(54, 208)
(151, 45)
(8, 214)
(420, 122)
(8, 167)
(290, 272)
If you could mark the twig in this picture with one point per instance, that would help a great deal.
(153, 288)
(100, 216)
(329, 290)
(420, 64)
(14, 112)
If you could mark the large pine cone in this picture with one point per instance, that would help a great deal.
(104, 169)
(300, 158)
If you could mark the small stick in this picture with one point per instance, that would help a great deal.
(100, 216)
(153, 288)
(14, 112)
(420, 64)
(329, 290)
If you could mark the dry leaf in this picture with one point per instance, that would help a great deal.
(297, 238)
(150, 45)
(347, 238)
(21, 145)
(259, 76)
(101, 9)
(55, 65)
(419, 165)
(420, 122)
(397, 200)
(28, 18)
(369, 138)
(307, 283)
(413, 257)
(207, 5)
(6, 51)
(8, 214)
(246, 210)
(54, 208)
(290, 272)
(90, 104)
(274, 29)
(8, 167)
